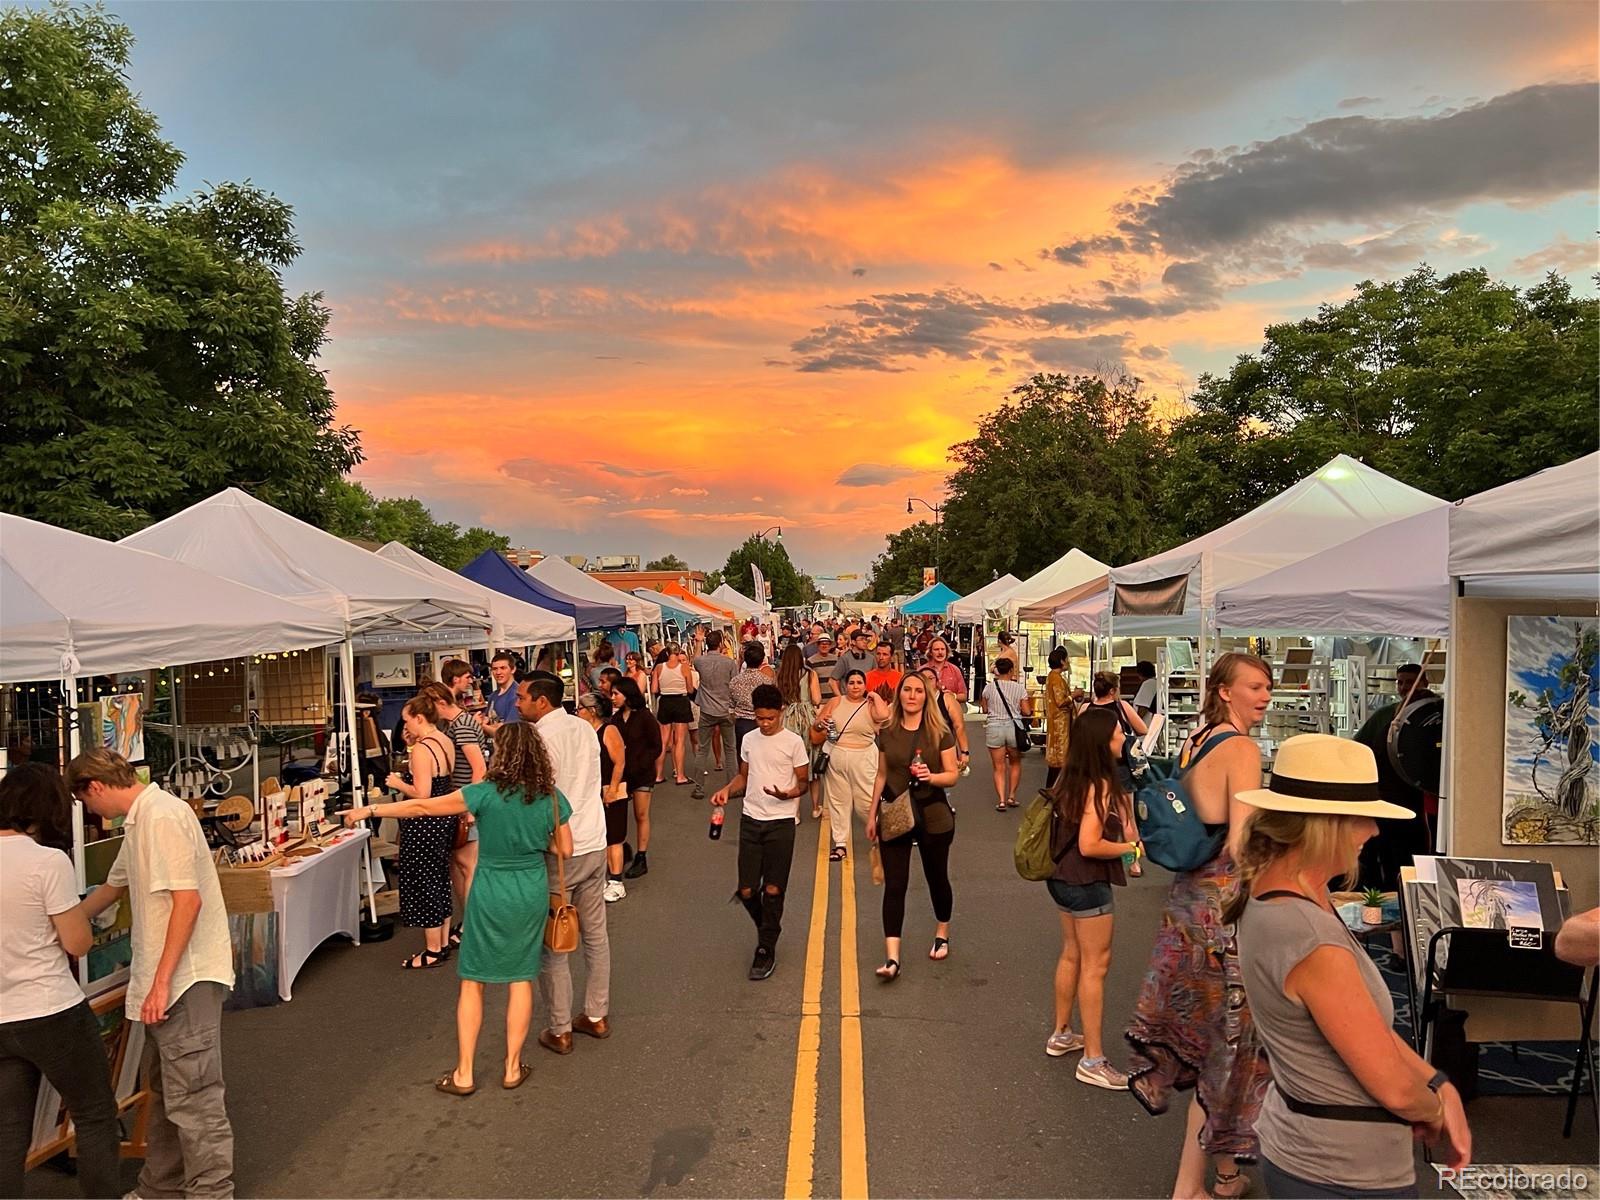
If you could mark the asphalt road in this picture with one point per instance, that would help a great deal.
(695, 1093)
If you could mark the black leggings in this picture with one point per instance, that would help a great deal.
(896, 856)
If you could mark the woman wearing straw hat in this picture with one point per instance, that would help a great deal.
(1347, 1093)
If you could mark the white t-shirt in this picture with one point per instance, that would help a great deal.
(772, 763)
(164, 851)
(1146, 696)
(575, 756)
(35, 885)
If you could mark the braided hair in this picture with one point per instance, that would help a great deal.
(521, 761)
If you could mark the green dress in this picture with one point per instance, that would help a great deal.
(503, 937)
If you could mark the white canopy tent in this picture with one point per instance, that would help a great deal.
(1394, 579)
(1538, 536)
(566, 578)
(1173, 594)
(75, 605)
(519, 624)
(970, 609)
(741, 604)
(1037, 597)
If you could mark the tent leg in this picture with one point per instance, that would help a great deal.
(347, 686)
(69, 713)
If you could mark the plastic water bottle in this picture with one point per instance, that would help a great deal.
(916, 761)
(717, 816)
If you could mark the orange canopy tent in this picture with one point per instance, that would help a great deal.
(697, 602)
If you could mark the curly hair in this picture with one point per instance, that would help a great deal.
(521, 761)
(34, 800)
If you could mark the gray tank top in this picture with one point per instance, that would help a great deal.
(1274, 937)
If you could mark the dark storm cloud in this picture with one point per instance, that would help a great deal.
(1532, 143)
(872, 475)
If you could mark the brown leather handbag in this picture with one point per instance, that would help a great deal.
(561, 923)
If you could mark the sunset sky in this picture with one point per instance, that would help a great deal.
(618, 279)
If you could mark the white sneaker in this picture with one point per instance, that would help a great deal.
(1101, 1075)
(1061, 1044)
(614, 891)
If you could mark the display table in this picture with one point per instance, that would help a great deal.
(314, 898)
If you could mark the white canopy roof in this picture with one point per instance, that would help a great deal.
(564, 577)
(1538, 536)
(970, 608)
(519, 624)
(1340, 500)
(75, 605)
(383, 605)
(737, 601)
(1393, 579)
(1072, 570)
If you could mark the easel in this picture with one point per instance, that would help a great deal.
(138, 1102)
(1482, 962)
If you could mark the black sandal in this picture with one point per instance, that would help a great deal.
(425, 960)
(455, 938)
(939, 944)
(890, 971)
(836, 854)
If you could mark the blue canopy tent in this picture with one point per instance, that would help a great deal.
(930, 602)
(493, 571)
(673, 610)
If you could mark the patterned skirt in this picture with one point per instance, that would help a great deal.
(1191, 1026)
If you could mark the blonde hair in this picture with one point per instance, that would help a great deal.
(99, 766)
(1269, 835)
(1224, 672)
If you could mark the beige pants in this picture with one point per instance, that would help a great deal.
(847, 785)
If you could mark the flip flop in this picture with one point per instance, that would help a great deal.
(521, 1079)
(890, 971)
(447, 1084)
(941, 949)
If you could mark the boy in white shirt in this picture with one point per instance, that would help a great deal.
(774, 771)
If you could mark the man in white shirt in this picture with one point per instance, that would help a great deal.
(182, 971)
(575, 757)
(1145, 700)
(774, 772)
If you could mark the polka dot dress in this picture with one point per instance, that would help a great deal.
(426, 844)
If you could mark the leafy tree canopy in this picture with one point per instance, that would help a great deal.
(789, 586)
(354, 512)
(898, 570)
(149, 355)
(668, 562)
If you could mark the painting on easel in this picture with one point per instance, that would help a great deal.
(1552, 751)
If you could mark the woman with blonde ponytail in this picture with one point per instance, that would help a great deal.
(1348, 1093)
(1191, 1027)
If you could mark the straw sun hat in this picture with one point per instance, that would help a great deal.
(1318, 773)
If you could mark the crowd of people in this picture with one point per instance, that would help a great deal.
(1256, 999)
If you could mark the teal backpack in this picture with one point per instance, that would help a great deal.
(1173, 834)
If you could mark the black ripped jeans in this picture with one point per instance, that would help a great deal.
(766, 850)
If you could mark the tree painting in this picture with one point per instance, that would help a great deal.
(1552, 780)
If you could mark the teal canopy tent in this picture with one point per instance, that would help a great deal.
(930, 602)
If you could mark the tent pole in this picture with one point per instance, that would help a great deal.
(347, 686)
(69, 712)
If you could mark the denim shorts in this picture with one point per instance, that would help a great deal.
(1081, 899)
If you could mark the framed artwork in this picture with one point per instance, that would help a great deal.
(1552, 752)
(394, 670)
(440, 657)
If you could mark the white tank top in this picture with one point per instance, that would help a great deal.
(674, 682)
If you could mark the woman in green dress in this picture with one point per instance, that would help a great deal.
(519, 815)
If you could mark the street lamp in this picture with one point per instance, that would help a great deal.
(776, 531)
(938, 521)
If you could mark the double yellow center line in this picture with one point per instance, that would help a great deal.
(800, 1177)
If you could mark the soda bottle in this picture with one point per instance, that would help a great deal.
(916, 761)
(717, 815)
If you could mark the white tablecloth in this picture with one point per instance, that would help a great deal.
(316, 897)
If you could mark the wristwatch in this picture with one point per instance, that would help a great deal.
(1438, 1080)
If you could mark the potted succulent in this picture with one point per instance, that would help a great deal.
(1372, 907)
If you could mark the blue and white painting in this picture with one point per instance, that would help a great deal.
(1552, 771)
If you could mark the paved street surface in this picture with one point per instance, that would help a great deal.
(696, 1094)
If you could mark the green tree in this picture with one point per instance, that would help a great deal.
(898, 570)
(713, 580)
(789, 586)
(668, 562)
(1453, 385)
(149, 355)
(352, 511)
(1066, 461)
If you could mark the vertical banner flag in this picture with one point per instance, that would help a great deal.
(763, 592)
(930, 576)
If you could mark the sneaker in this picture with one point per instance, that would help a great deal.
(1101, 1075)
(763, 964)
(614, 891)
(1059, 1045)
(639, 866)
(699, 792)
